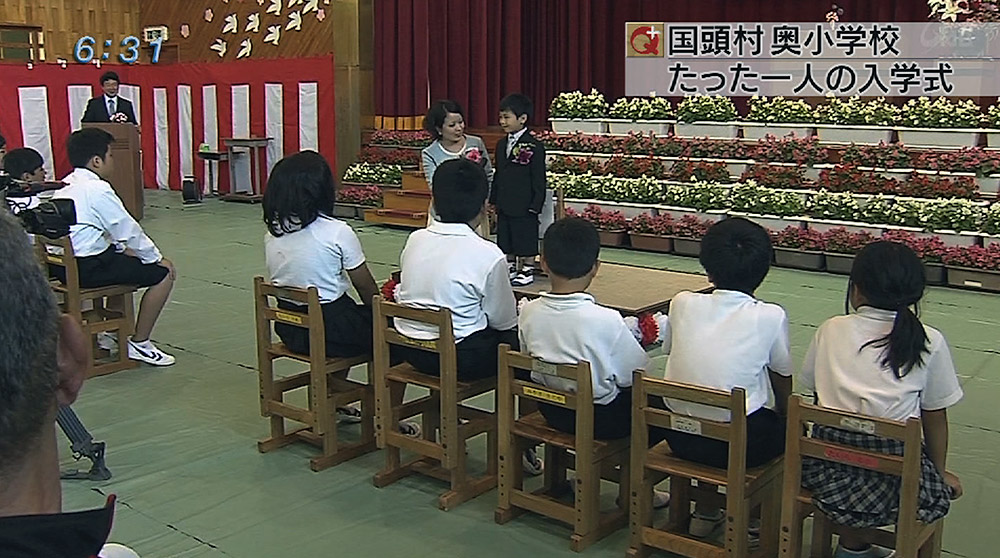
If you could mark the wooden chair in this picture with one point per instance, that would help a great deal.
(591, 456)
(326, 380)
(911, 537)
(90, 307)
(442, 410)
(745, 488)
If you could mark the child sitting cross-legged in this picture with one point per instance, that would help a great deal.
(881, 361)
(724, 340)
(566, 326)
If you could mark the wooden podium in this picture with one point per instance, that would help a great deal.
(127, 173)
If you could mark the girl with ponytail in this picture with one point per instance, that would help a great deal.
(881, 361)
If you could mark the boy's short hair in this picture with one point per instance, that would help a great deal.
(518, 104)
(437, 113)
(86, 143)
(571, 247)
(736, 253)
(460, 188)
(109, 76)
(22, 160)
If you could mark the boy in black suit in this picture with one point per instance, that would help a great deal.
(518, 188)
(103, 108)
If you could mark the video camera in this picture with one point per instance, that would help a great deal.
(51, 218)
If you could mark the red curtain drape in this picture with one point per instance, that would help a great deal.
(478, 50)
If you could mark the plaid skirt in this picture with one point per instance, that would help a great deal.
(862, 498)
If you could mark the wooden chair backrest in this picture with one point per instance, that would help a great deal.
(799, 444)
(580, 400)
(386, 335)
(267, 312)
(58, 253)
(645, 415)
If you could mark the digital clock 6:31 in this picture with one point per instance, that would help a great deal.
(84, 50)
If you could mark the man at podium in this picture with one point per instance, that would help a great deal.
(109, 107)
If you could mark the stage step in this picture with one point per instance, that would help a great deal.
(406, 200)
(402, 218)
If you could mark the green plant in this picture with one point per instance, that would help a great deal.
(751, 198)
(703, 196)
(854, 111)
(642, 108)
(991, 219)
(993, 116)
(941, 113)
(575, 104)
(954, 215)
(832, 205)
(780, 109)
(706, 108)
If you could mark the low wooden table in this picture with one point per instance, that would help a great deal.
(630, 290)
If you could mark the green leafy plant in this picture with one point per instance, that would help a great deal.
(854, 111)
(706, 108)
(751, 198)
(642, 108)
(780, 110)
(942, 112)
(703, 196)
(832, 205)
(576, 104)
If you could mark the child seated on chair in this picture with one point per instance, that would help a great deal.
(729, 339)
(881, 361)
(110, 246)
(306, 247)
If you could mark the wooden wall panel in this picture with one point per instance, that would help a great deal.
(314, 38)
(65, 21)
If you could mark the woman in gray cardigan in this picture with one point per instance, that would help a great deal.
(445, 122)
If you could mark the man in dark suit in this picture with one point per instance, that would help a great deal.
(103, 108)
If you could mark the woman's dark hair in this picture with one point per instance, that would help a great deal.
(299, 190)
(890, 276)
(109, 76)
(437, 113)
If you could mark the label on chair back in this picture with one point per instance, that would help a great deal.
(426, 344)
(546, 395)
(683, 424)
(290, 318)
(858, 425)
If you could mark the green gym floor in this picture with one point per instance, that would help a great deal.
(182, 440)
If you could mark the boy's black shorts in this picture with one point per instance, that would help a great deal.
(114, 268)
(518, 236)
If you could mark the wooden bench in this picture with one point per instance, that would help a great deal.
(326, 380)
(591, 456)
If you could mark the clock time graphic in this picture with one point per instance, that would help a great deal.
(84, 51)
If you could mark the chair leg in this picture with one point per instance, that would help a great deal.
(822, 537)
(587, 497)
(510, 478)
(680, 504)
(932, 546)
(554, 474)
(770, 520)
(737, 530)
(641, 514)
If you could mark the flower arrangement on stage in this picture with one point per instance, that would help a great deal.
(612, 221)
(418, 138)
(642, 108)
(942, 112)
(920, 185)
(802, 151)
(370, 196)
(715, 149)
(119, 118)
(839, 240)
(966, 159)
(780, 109)
(576, 165)
(849, 178)
(975, 257)
(929, 249)
(701, 196)
(634, 167)
(751, 198)
(401, 157)
(797, 238)
(929, 215)
(576, 104)
(885, 156)
(854, 111)
(701, 171)
(690, 226)
(991, 220)
(706, 108)
(833, 205)
(390, 290)
(373, 173)
(658, 225)
(771, 176)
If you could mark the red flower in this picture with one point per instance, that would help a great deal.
(474, 154)
(649, 328)
(389, 290)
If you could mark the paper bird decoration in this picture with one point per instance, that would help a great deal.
(232, 26)
(245, 47)
(311, 6)
(220, 47)
(209, 15)
(185, 30)
(260, 2)
(294, 21)
(321, 14)
(294, 2)
(327, 2)
(275, 8)
(253, 23)
(273, 34)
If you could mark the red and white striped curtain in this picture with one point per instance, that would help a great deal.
(179, 107)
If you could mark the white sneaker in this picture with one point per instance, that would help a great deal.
(512, 270)
(703, 526)
(349, 415)
(661, 499)
(148, 353)
(870, 552)
(107, 341)
(531, 463)
(411, 429)
(523, 279)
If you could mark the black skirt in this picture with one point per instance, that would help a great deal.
(347, 324)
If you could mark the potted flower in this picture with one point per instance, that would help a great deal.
(360, 174)
(851, 178)
(771, 176)
(991, 225)
(634, 167)
(574, 111)
(405, 158)
(976, 267)
(827, 210)
(641, 114)
(922, 185)
(401, 139)
(575, 165)
(699, 171)
(985, 165)
(702, 116)
(800, 151)
(652, 232)
(353, 200)
(930, 249)
(687, 235)
(798, 248)
(839, 247)
(725, 149)
(778, 116)
(942, 122)
(852, 120)
(610, 224)
(956, 221)
(893, 157)
(773, 209)
(993, 121)
(704, 200)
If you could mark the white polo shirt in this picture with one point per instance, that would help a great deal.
(569, 328)
(102, 219)
(724, 340)
(448, 265)
(844, 378)
(317, 256)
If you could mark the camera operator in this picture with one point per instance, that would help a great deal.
(24, 164)
(42, 362)
(110, 246)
